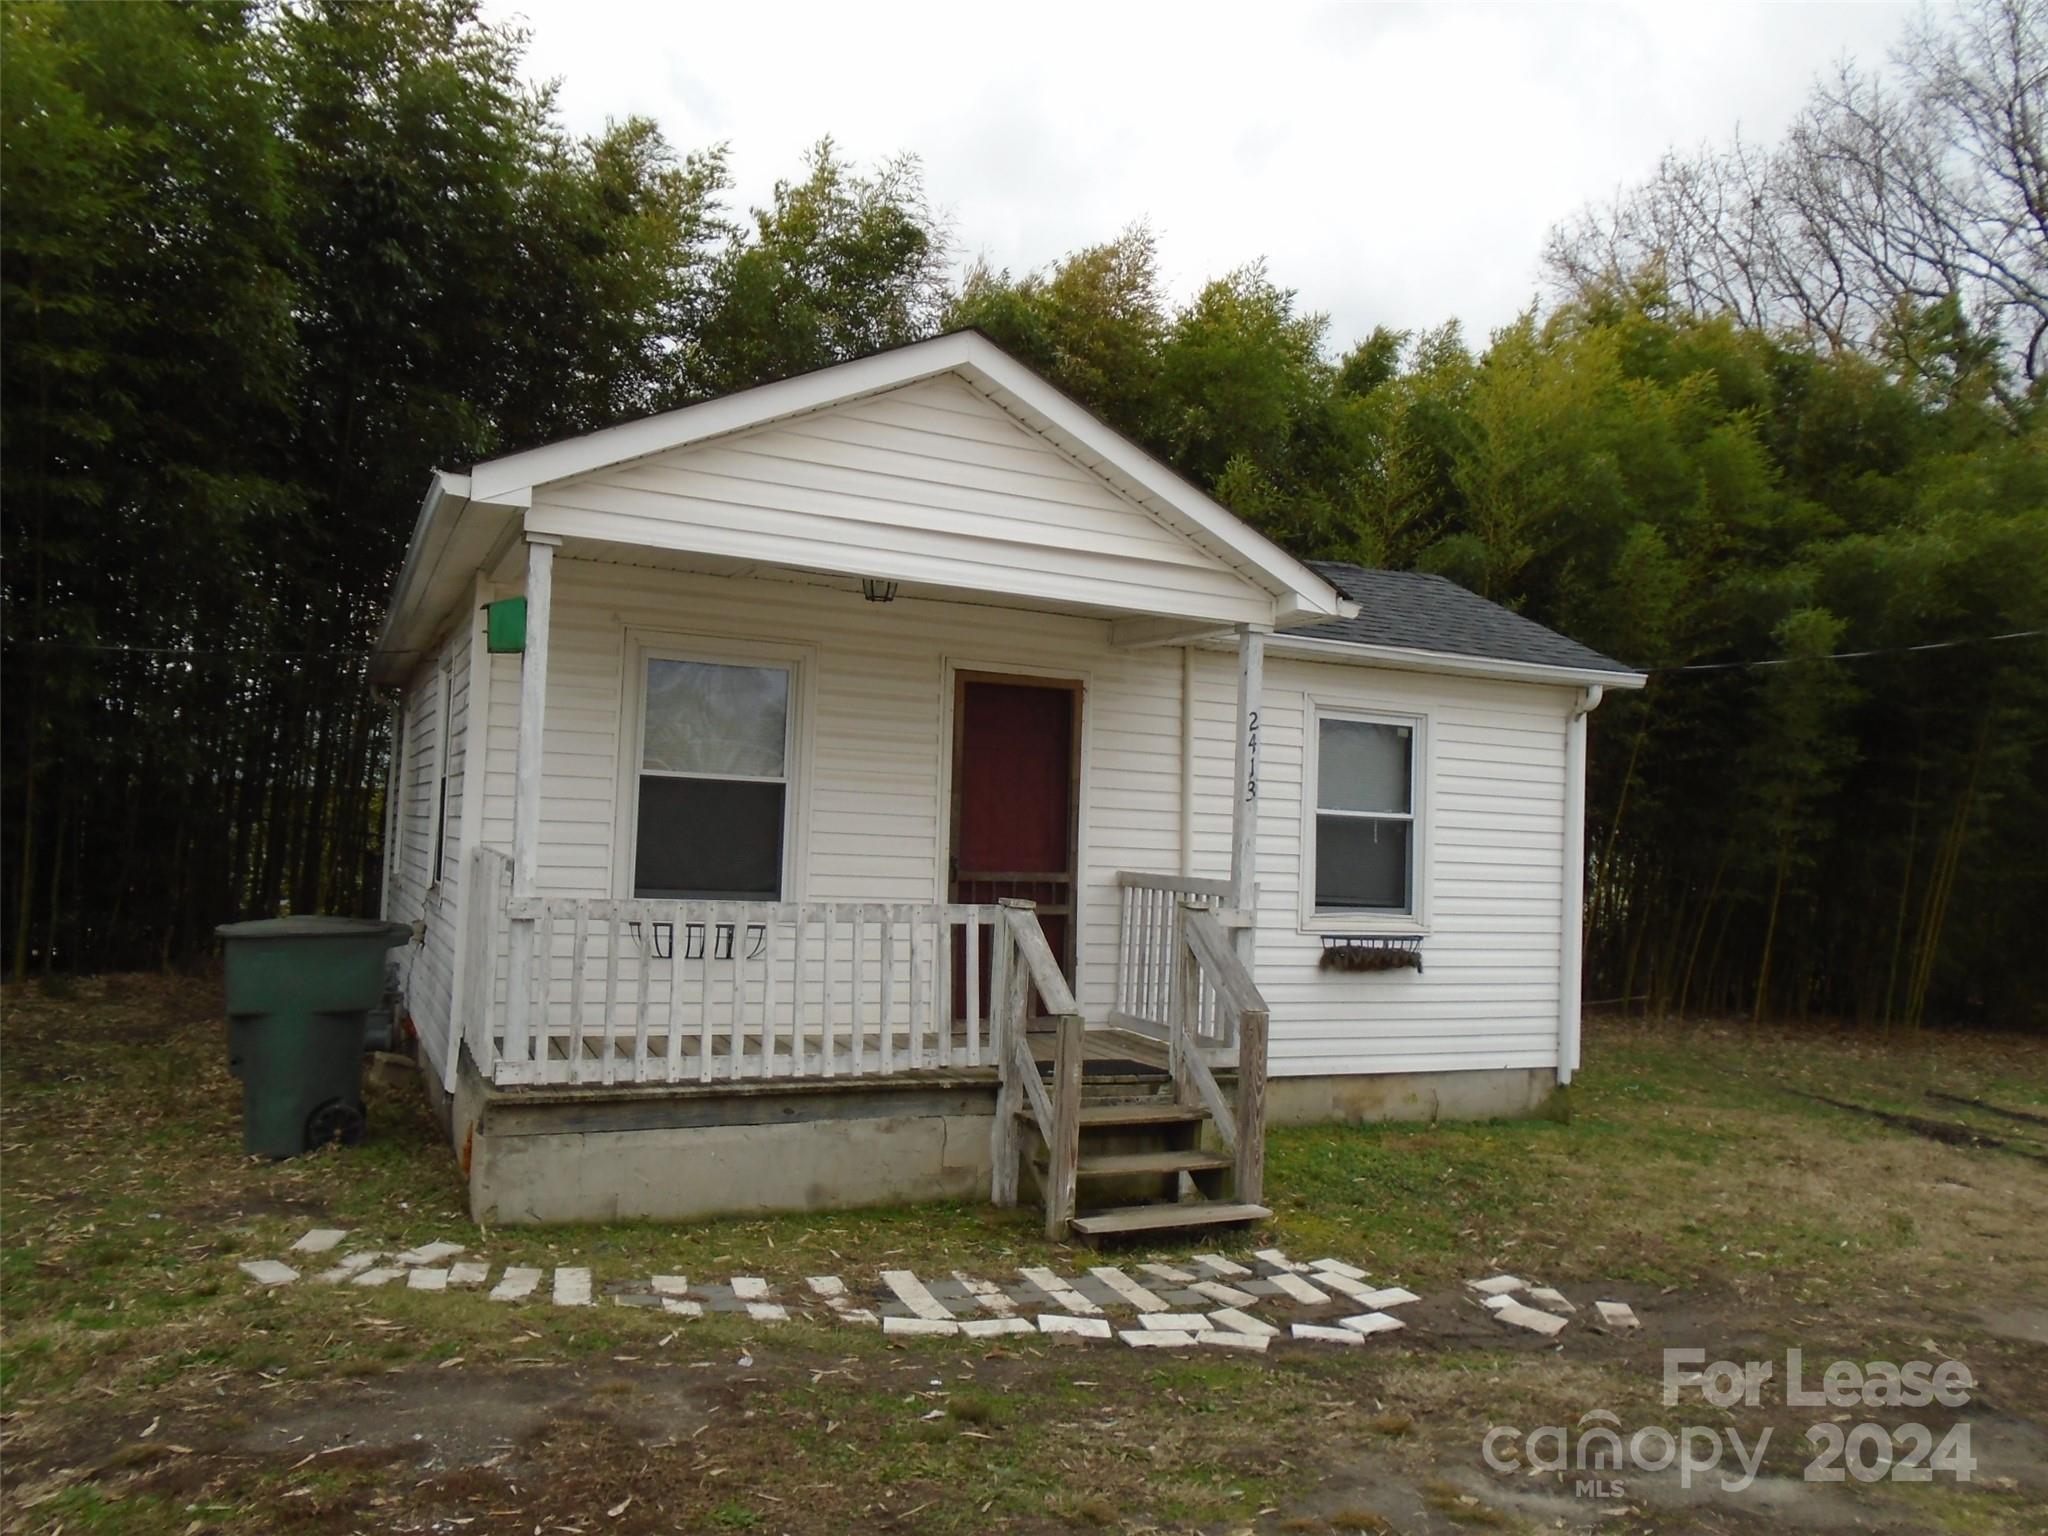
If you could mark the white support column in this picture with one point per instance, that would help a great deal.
(526, 780)
(1244, 811)
(476, 743)
(1572, 939)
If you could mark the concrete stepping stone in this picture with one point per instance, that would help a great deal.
(1080, 1327)
(1278, 1260)
(469, 1272)
(749, 1288)
(1157, 1338)
(269, 1272)
(1551, 1298)
(1216, 1264)
(831, 1290)
(678, 1306)
(1295, 1288)
(516, 1284)
(1175, 1322)
(1498, 1285)
(1317, 1333)
(1228, 1295)
(1337, 1267)
(1549, 1324)
(1344, 1285)
(353, 1264)
(1392, 1296)
(767, 1311)
(572, 1287)
(1128, 1289)
(1366, 1324)
(920, 1325)
(990, 1327)
(988, 1294)
(1230, 1338)
(671, 1285)
(1234, 1321)
(427, 1280)
(428, 1253)
(914, 1294)
(1617, 1314)
(1061, 1292)
(1172, 1274)
(372, 1278)
(319, 1240)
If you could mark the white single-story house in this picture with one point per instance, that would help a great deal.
(892, 783)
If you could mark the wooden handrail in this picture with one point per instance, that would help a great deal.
(1188, 885)
(1205, 954)
(1028, 965)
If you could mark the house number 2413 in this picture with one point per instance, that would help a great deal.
(1251, 756)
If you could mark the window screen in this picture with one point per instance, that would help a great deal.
(1365, 817)
(714, 781)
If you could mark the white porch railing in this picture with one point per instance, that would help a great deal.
(1148, 917)
(647, 991)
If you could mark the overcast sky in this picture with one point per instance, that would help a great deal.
(1396, 165)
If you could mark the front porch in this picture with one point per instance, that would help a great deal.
(790, 1035)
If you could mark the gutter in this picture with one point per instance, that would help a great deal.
(1572, 935)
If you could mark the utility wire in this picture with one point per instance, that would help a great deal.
(1894, 650)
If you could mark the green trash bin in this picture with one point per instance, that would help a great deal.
(298, 988)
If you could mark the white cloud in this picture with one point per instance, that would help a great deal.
(1397, 165)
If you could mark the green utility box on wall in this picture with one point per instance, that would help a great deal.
(297, 991)
(505, 626)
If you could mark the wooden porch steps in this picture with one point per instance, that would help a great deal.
(1141, 1113)
(1175, 1216)
(1119, 1165)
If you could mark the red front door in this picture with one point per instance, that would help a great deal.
(1016, 767)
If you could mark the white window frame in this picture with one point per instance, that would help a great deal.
(798, 661)
(1350, 920)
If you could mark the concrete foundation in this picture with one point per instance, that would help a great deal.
(665, 1153)
(638, 1153)
(1506, 1093)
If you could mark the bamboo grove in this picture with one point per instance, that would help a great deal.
(265, 267)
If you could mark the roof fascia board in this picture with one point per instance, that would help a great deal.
(1404, 659)
(447, 496)
(716, 418)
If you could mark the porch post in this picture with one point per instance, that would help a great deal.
(1244, 812)
(526, 778)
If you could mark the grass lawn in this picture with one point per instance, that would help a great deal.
(148, 1387)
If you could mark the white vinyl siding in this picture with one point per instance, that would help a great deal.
(931, 484)
(436, 744)
(876, 754)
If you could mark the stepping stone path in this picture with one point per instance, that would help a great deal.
(1203, 1301)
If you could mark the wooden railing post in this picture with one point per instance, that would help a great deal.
(1009, 994)
(1251, 1105)
(1063, 1157)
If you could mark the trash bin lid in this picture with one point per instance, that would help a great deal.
(316, 927)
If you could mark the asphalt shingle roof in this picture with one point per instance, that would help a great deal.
(1417, 612)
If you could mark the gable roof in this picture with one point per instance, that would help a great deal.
(1411, 613)
(1036, 403)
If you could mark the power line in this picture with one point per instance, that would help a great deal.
(1894, 650)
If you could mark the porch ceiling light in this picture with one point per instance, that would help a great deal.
(876, 590)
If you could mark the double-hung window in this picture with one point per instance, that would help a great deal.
(1366, 841)
(713, 779)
